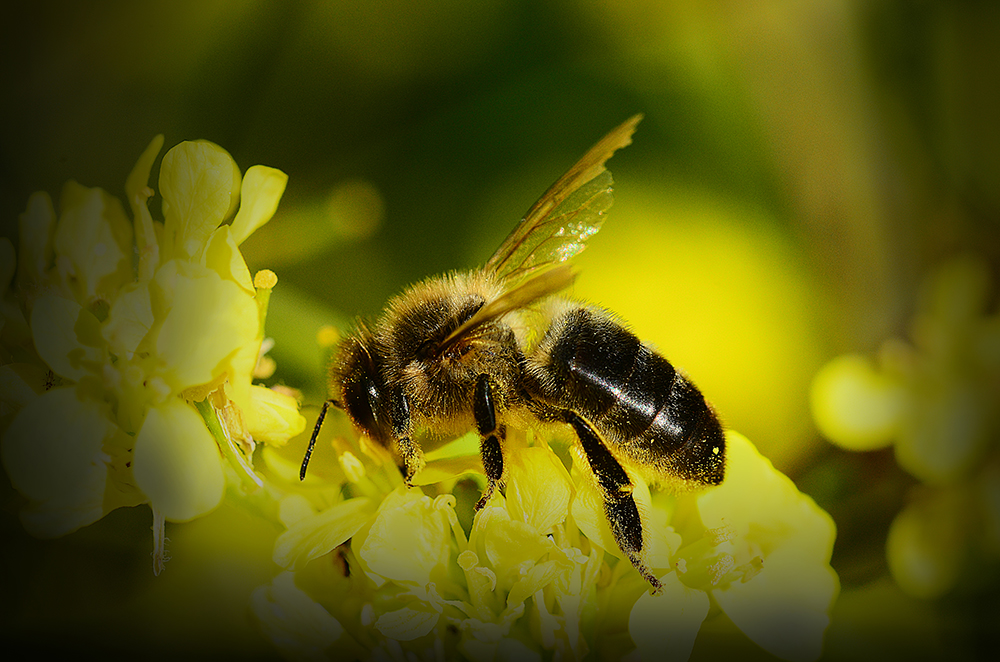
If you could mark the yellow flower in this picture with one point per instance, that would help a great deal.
(303, 627)
(875, 402)
(148, 367)
(539, 573)
(778, 586)
(273, 416)
(930, 398)
(934, 399)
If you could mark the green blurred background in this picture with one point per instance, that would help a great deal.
(801, 164)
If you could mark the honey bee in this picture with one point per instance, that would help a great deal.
(455, 352)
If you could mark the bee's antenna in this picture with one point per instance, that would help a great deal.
(312, 439)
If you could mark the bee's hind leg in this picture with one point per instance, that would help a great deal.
(616, 487)
(492, 436)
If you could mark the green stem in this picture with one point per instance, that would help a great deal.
(238, 461)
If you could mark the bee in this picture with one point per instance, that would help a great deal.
(455, 353)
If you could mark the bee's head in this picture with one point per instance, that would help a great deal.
(363, 393)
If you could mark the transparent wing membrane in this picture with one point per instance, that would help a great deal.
(558, 225)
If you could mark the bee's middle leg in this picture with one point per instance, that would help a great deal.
(492, 436)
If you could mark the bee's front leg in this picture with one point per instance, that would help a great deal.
(409, 451)
(492, 436)
(413, 459)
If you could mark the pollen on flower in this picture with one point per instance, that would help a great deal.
(720, 534)
(265, 279)
(723, 564)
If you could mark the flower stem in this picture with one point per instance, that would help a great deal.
(225, 442)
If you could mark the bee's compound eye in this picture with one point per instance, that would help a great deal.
(373, 401)
(362, 400)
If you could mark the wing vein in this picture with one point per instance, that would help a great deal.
(585, 193)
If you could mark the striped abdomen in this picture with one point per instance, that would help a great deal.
(644, 408)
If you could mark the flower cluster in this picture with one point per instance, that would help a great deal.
(374, 570)
(129, 346)
(935, 400)
(129, 353)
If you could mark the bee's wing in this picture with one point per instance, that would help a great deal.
(534, 288)
(570, 212)
(552, 231)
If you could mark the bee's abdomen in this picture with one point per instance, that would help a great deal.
(637, 400)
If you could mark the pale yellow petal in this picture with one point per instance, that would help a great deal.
(56, 326)
(408, 623)
(53, 453)
(138, 180)
(315, 535)
(20, 383)
(588, 513)
(299, 626)
(222, 255)
(540, 576)
(177, 462)
(138, 192)
(538, 488)
(778, 512)
(200, 185)
(262, 189)
(785, 607)
(447, 469)
(780, 598)
(511, 546)
(408, 540)
(207, 320)
(855, 406)
(273, 417)
(129, 320)
(665, 626)
(294, 508)
(94, 240)
(927, 545)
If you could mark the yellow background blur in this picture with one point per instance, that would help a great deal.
(800, 164)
